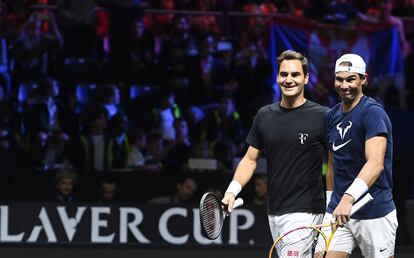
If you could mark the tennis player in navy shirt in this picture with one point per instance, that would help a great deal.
(359, 138)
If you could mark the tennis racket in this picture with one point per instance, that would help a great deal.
(213, 213)
(309, 241)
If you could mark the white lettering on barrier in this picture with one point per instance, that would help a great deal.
(163, 226)
(4, 227)
(97, 223)
(69, 224)
(132, 226)
(234, 223)
(130, 218)
(46, 226)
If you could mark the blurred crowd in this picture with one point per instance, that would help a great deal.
(130, 85)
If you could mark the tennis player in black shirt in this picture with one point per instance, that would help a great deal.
(290, 133)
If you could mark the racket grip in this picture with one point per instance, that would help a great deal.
(366, 199)
(237, 203)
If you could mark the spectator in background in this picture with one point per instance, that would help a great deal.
(385, 15)
(64, 183)
(202, 87)
(54, 155)
(33, 49)
(177, 51)
(222, 68)
(89, 150)
(136, 157)
(156, 151)
(180, 149)
(119, 145)
(204, 23)
(107, 191)
(252, 67)
(165, 115)
(184, 192)
(196, 123)
(71, 114)
(258, 22)
(140, 53)
(225, 122)
(109, 97)
(121, 18)
(397, 80)
(260, 191)
(45, 114)
(77, 18)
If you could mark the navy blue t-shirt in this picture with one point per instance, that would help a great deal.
(346, 136)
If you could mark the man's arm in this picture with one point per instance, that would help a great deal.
(330, 173)
(243, 174)
(329, 178)
(375, 148)
(374, 153)
(247, 166)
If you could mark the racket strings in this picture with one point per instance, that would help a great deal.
(212, 216)
(303, 243)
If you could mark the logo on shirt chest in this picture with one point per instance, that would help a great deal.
(342, 132)
(303, 137)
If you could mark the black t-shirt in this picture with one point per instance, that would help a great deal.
(293, 142)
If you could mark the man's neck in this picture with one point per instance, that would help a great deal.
(294, 102)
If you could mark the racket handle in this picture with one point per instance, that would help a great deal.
(367, 198)
(237, 203)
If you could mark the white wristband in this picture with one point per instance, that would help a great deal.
(234, 188)
(357, 188)
(328, 197)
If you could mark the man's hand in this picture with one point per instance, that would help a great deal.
(343, 210)
(229, 200)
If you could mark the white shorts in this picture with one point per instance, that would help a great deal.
(286, 222)
(375, 237)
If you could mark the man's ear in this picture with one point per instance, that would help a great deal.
(365, 80)
(306, 78)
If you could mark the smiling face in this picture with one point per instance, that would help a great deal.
(349, 87)
(291, 78)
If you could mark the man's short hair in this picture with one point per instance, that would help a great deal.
(293, 55)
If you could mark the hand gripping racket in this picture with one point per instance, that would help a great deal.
(309, 241)
(213, 213)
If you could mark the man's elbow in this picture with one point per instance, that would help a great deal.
(379, 167)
